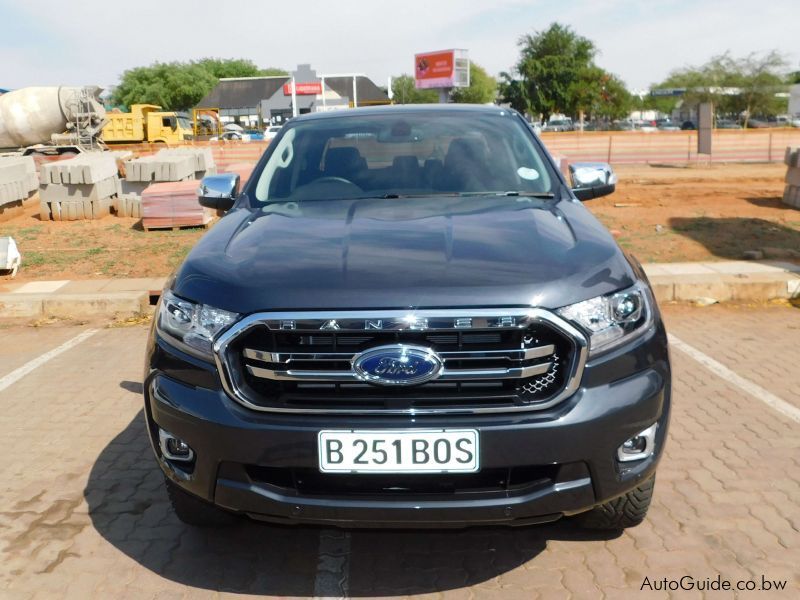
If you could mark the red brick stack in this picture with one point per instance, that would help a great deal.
(171, 205)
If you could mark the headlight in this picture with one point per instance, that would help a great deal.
(613, 320)
(192, 327)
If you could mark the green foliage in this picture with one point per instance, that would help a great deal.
(558, 75)
(404, 92)
(181, 85)
(743, 86)
(514, 92)
(482, 87)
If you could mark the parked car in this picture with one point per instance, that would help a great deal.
(622, 126)
(727, 124)
(408, 318)
(271, 131)
(559, 125)
(688, 126)
(645, 126)
(231, 135)
(667, 125)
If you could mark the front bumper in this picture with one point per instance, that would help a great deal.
(574, 443)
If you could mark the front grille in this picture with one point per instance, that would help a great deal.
(491, 361)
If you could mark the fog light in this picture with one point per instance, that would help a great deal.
(639, 446)
(174, 448)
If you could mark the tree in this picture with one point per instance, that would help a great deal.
(405, 92)
(736, 86)
(557, 74)
(482, 87)
(514, 92)
(180, 85)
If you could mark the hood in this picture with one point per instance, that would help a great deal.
(404, 253)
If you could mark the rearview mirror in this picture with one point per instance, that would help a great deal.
(219, 191)
(592, 180)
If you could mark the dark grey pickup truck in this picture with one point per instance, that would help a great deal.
(407, 318)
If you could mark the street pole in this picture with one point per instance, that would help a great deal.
(294, 99)
(355, 93)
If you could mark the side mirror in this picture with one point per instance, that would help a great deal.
(592, 180)
(219, 191)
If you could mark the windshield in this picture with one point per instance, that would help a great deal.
(402, 154)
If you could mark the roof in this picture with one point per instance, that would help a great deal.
(366, 89)
(407, 109)
(245, 92)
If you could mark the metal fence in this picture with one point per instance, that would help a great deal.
(617, 147)
(636, 147)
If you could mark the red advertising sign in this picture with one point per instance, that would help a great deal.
(313, 88)
(434, 69)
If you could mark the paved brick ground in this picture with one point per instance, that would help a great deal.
(83, 513)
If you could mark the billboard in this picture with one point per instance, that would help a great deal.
(442, 69)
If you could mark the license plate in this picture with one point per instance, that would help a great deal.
(399, 451)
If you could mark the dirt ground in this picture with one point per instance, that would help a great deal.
(698, 213)
(660, 213)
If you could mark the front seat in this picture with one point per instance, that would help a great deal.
(464, 167)
(345, 162)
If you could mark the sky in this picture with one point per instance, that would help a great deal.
(92, 41)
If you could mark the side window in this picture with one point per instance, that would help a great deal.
(274, 180)
(165, 122)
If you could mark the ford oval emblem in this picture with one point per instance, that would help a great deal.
(397, 365)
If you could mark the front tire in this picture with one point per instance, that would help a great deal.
(620, 513)
(193, 511)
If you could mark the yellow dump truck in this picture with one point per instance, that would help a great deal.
(147, 123)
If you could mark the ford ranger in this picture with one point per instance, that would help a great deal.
(408, 318)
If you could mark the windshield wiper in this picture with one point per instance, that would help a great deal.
(544, 195)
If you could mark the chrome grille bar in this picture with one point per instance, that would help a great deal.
(287, 357)
(451, 375)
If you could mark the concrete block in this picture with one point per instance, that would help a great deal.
(17, 178)
(160, 168)
(791, 157)
(21, 305)
(792, 176)
(791, 195)
(88, 168)
(203, 157)
(101, 304)
(128, 205)
(60, 192)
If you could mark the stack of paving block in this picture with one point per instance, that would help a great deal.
(791, 193)
(79, 188)
(17, 182)
(128, 205)
(203, 159)
(169, 164)
(173, 205)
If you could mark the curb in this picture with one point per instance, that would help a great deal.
(82, 302)
(121, 304)
(750, 287)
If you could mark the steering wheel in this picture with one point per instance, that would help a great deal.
(331, 179)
